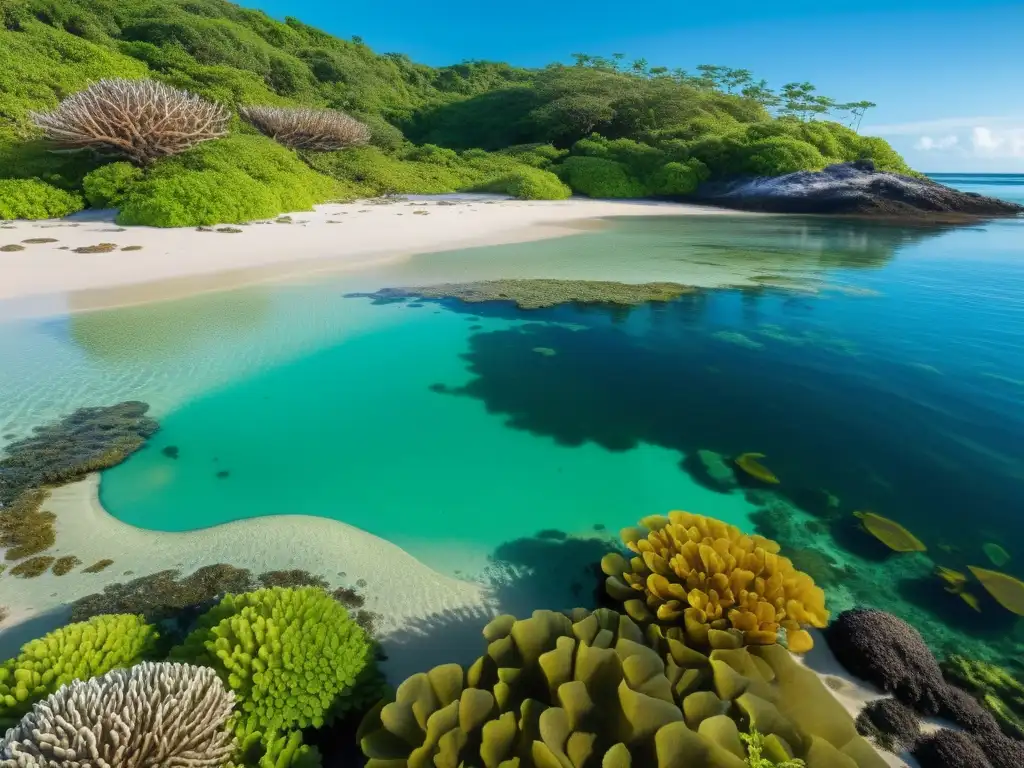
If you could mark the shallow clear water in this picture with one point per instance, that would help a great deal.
(888, 370)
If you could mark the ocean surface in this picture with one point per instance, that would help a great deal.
(877, 367)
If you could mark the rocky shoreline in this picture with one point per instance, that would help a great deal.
(855, 189)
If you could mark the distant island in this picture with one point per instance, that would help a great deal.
(202, 112)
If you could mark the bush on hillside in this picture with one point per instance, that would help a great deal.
(141, 120)
(34, 199)
(317, 130)
(431, 153)
(678, 178)
(601, 178)
(369, 172)
(232, 180)
(105, 186)
(528, 184)
(780, 155)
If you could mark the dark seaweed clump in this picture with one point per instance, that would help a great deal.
(175, 602)
(65, 565)
(892, 724)
(87, 440)
(34, 566)
(98, 566)
(949, 749)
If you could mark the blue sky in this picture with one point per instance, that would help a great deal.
(948, 77)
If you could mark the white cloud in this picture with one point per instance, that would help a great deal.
(928, 143)
(980, 138)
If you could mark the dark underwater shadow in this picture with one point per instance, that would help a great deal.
(550, 570)
(13, 636)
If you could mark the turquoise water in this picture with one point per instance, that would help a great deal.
(1007, 186)
(883, 365)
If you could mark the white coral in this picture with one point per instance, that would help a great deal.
(154, 715)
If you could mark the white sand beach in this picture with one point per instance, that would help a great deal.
(171, 263)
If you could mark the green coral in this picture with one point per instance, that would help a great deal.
(293, 657)
(74, 652)
(34, 199)
(275, 750)
(1000, 692)
(558, 690)
(755, 744)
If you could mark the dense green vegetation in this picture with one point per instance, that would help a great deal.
(601, 126)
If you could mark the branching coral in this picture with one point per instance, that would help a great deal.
(709, 576)
(87, 440)
(154, 715)
(293, 657)
(276, 751)
(141, 120)
(554, 691)
(317, 130)
(77, 651)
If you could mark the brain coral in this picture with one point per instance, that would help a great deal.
(293, 657)
(708, 575)
(77, 651)
(593, 689)
(149, 716)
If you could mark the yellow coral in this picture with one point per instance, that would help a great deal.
(714, 580)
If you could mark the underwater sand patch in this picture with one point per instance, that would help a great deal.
(542, 293)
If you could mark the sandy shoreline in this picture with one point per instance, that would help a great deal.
(173, 263)
(406, 593)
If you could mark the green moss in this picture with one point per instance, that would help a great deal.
(600, 178)
(85, 441)
(75, 652)
(540, 293)
(293, 657)
(25, 529)
(1000, 692)
(33, 567)
(105, 186)
(65, 565)
(34, 199)
(228, 181)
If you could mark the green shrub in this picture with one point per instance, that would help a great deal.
(885, 157)
(370, 172)
(231, 180)
(677, 178)
(597, 177)
(528, 184)
(293, 657)
(105, 186)
(34, 199)
(782, 154)
(74, 652)
(430, 153)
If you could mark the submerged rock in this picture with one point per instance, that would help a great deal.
(852, 188)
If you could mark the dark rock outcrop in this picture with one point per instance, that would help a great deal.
(853, 189)
(883, 649)
(891, 723)
(949, 749)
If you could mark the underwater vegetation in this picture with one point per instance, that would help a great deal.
(709, 577)
(174, 601)
(542, 292)
(592, 688)
(25, 529)
(85, 441)
(1000, 692)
